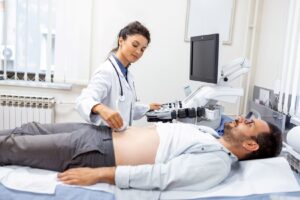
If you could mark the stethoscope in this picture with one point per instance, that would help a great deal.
(122, 96)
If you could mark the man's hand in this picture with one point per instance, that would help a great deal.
(88, 176)
(112, 117)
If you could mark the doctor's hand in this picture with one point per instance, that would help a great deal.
(111, 117)
(154, 106)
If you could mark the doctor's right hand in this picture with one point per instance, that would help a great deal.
(111, 117)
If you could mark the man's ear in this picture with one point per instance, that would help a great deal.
(250, 145)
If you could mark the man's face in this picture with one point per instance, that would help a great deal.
(243, 129)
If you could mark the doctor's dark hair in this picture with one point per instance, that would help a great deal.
(133, 28)
(270, 143)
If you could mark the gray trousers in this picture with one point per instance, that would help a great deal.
(57, 146)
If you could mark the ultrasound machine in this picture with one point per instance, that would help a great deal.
(201, 106)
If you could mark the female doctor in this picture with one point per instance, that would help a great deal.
(110, 97)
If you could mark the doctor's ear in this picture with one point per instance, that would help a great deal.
(120, 41)
(250, 145)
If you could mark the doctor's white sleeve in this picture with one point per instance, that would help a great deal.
(193, 172)
(93, 94)
(139, 110)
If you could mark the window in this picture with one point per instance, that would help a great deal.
(46, 43)
(289, 102)
(27, 40)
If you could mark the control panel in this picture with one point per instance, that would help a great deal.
(174, 110)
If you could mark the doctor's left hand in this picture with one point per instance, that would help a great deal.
(155, 106)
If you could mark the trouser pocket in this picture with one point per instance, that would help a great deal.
(92, 159)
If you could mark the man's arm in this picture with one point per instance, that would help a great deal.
(185, 172)
(88, 176)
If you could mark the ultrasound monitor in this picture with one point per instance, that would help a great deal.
(204, 58)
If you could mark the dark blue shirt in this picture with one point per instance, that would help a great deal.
(123, 69)
(224, 119)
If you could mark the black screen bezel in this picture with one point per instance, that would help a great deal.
(215, 38)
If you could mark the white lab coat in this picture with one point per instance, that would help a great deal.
(104, 87)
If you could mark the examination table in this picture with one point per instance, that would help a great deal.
(257, 179)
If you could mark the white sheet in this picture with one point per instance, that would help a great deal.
(38, 180)
(28, 179)
(263, 176)
(250, 177)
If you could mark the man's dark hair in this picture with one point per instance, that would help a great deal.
(270, 143)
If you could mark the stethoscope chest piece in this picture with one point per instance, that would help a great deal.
(122, 97)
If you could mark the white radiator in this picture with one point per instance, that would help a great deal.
(16, 110)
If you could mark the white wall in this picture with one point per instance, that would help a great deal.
(164, 68)
(270, 43)
(1, 20)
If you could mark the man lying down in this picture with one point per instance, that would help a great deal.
(162, 156)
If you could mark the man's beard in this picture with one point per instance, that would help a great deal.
(231, 135)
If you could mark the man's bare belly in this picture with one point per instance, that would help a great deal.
(136, 145)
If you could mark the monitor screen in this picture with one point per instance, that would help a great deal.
(204, 58)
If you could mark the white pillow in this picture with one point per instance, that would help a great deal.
(293, 138)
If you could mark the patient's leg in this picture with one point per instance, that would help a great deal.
(35, 128)
(40, 151)
(88, 146)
